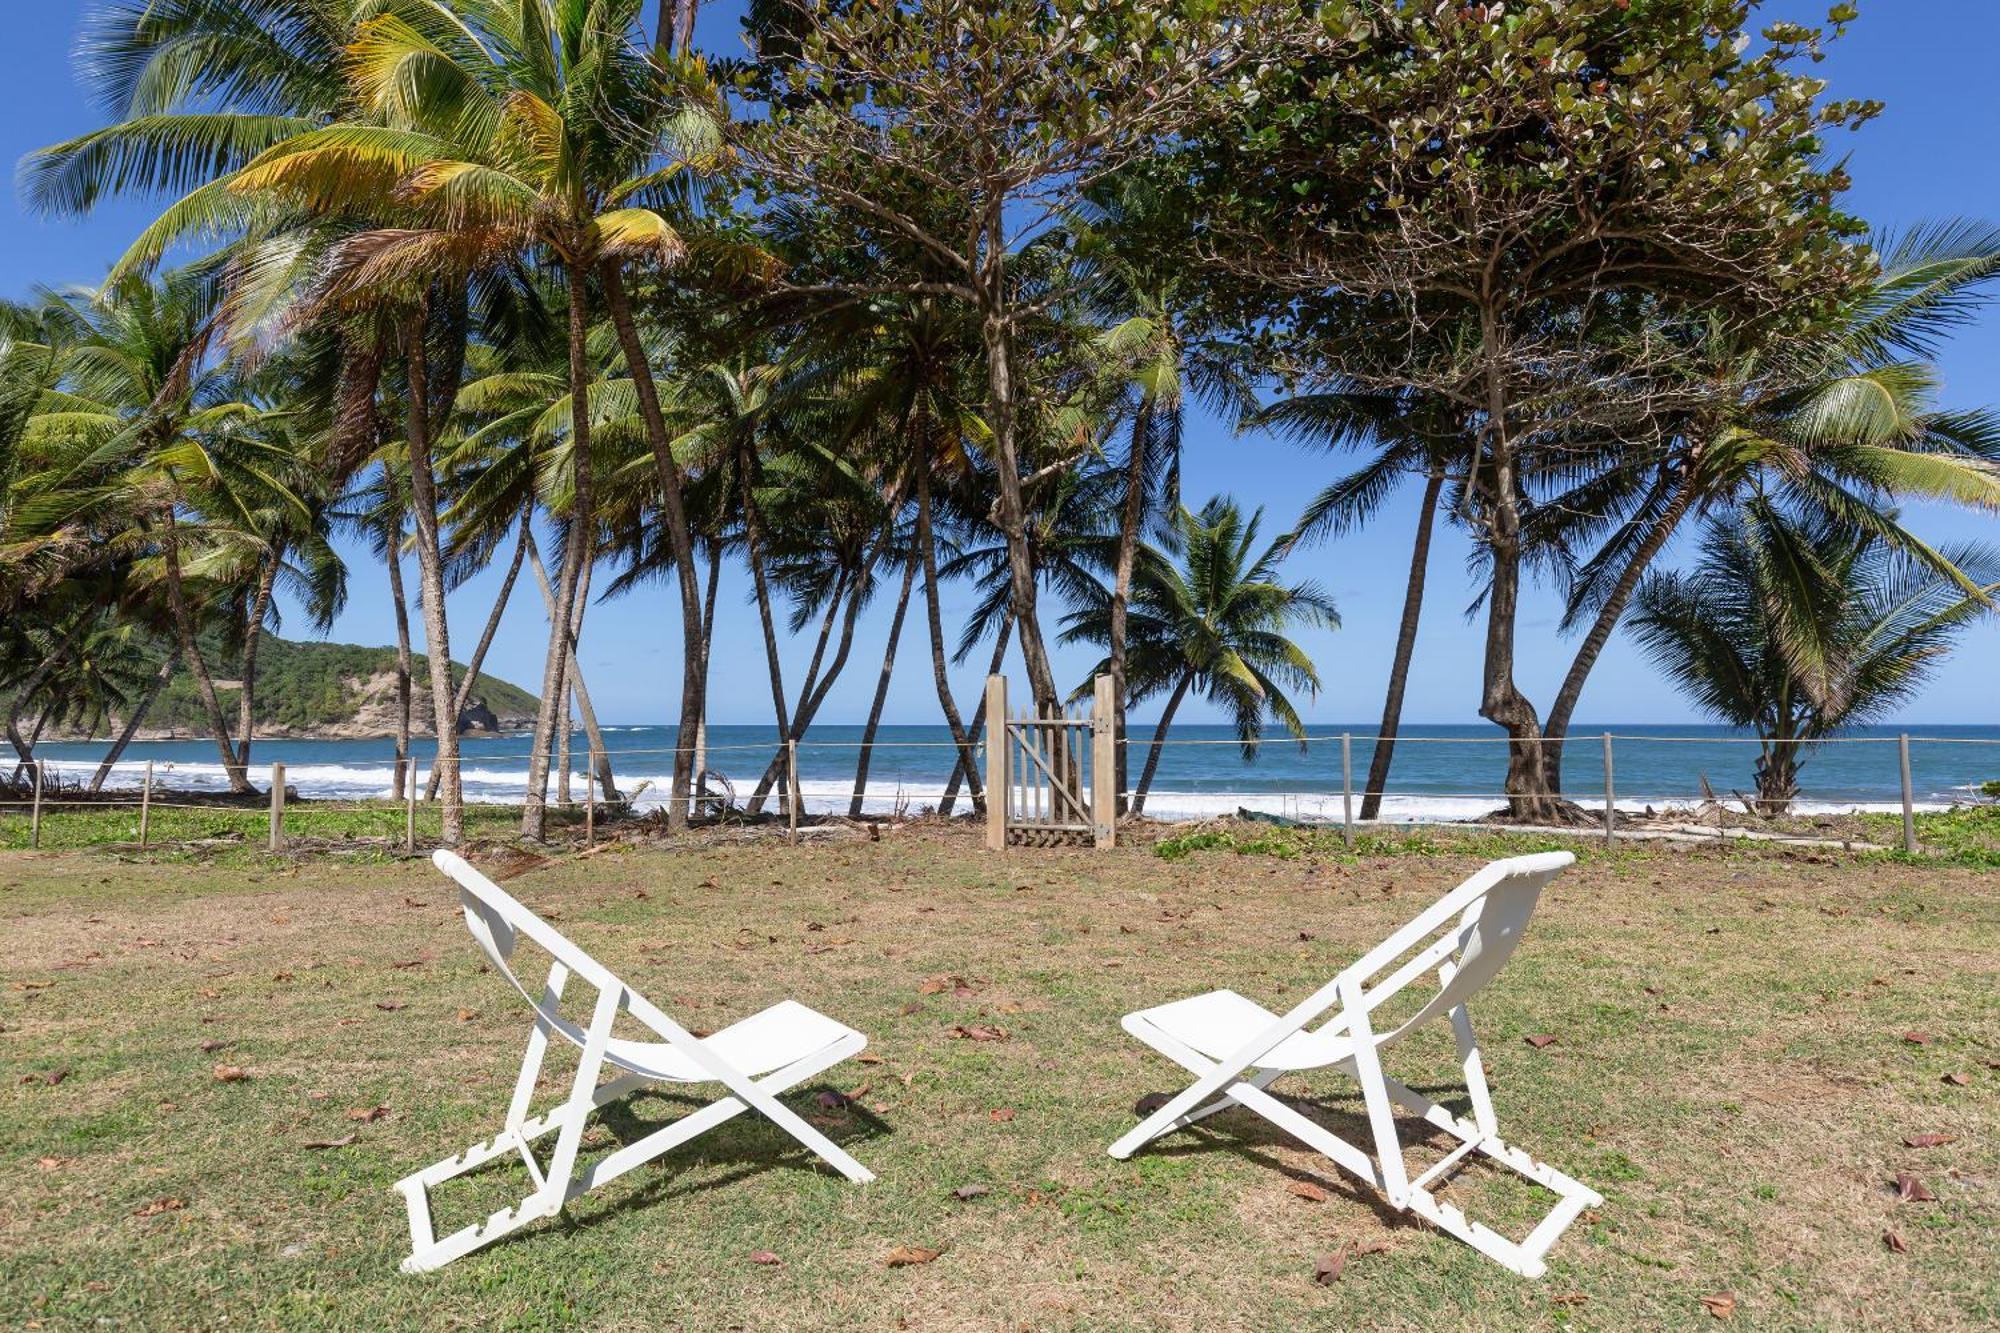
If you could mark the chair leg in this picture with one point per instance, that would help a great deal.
(427, 1254)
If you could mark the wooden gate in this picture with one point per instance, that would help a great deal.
(1050, 779)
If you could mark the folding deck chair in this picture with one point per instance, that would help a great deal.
(753, 1060)
(1238, 1049)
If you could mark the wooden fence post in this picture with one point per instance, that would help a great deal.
(35, 819)
(1347, 789)
(1103, 763)
(1909, 806)
(1610, 799)
(146, 806)
(998, 794)
(277, 807)
(410, 812)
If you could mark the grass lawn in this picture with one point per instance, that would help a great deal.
(1736, 1067)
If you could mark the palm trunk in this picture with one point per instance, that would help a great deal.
(1130, 516)
(403, 673)
(774, 772)
(573, 679)
(253, 633)
(881, 689)
(1607, 620)
(564, 732)
(1159, 744)
(1406, 645)
(927, 548)
(132, 723)
(694, 664)
(579, 551)
(753, 552)
(462, 694)
(239, 782)
(967, 769)
(430, 571)
(24, 747)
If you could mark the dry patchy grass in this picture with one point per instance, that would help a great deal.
(1730, 1071)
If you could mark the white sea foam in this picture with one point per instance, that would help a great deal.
(830, 796)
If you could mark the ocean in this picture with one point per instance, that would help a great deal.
(1440, 772)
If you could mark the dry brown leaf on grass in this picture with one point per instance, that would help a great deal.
(830, 1100)
(1568, 1298)
(165, 1204)
(978, 1032)
(967, 1193)
(1929, 1140)
(1327, 1271)
(1308, 1191)
(467, 1015)
(211, 1046)
(1917, 1038)
(1722, 1305)
(1002, 1113)
(53, 1077)
(389, 1006)
(53, 1163)
(905, 1256)
(1540, 1039)
(1150, 1103)
(1956, 1079)
(869, 1060)
(367, 1115)
(1911, 1190)
(766, 1258)
(230, 1073)
(341, 1142)
(1895, 1243)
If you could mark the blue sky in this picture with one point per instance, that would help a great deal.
(1932, 154)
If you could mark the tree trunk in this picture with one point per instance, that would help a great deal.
(239, 783)
(253, 633)
(966, 769)
(1501, 700)
(581, 549)
(564, 731)
(927, 549)
(694, 664)
(881, 689)
(753, 552)
(1159, 743)
(676, 24)
(403, 671)
(24, 747)
(430, 570)
(1607, 620)
(996, 338)
(1132, 512)
(1406, 644)
(774, 772)
(462, 694)
(573, 676)
(132, 723)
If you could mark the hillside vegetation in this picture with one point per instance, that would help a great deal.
(331, 687)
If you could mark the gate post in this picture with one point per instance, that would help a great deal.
(1103, 763)
(998, 793)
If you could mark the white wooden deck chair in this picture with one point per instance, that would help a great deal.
(1238, 1049)
(753, 1060)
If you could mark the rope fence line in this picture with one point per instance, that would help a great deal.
(785, 791)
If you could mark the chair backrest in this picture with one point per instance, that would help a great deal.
(1492, 908)
(497, 919)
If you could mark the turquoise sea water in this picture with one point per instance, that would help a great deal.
(1440, 771)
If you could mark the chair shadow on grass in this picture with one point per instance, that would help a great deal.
(757, 1145)
(1249, 1136)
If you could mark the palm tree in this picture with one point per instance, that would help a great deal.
(1209, 614)
(1801, 629)
(515, 131)
(1835, 424)
(1410, 434)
